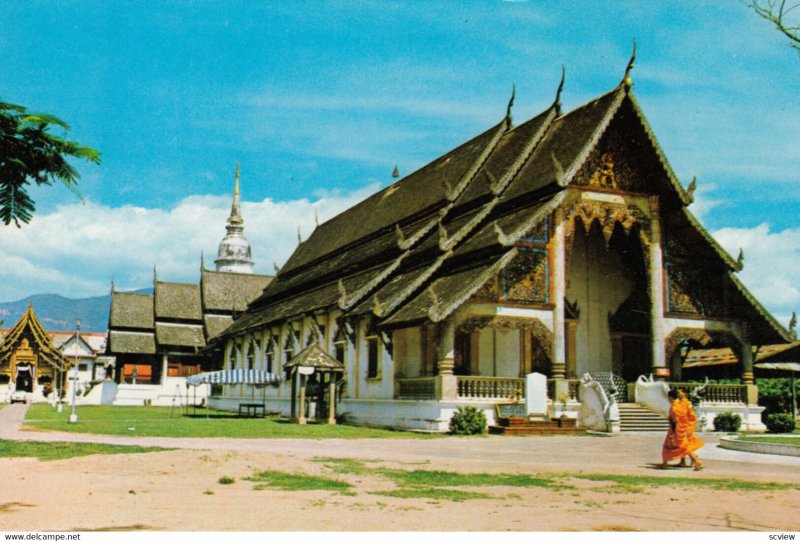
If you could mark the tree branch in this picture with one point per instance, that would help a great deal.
(777, 13)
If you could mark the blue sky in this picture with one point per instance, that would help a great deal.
(320, 100)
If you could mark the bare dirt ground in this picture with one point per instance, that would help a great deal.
(179, 490)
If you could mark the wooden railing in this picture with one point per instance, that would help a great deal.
(416, 388)
(715, 392)
(492, 388)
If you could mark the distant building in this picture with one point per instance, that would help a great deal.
(160, 335)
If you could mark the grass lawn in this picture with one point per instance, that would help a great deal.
(64, 450)
(436, 485)
(783, 440)
(157, 421)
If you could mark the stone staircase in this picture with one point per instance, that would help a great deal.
(522, 426)
(637, 418)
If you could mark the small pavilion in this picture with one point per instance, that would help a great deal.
(313, 361)
(28, 357)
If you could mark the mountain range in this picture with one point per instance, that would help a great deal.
(59, 313)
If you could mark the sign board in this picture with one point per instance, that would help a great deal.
(662, 372)
(510, 409)
(305, 370)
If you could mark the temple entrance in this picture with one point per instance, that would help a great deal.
(636, 357)
(607, 284)
(24, 377)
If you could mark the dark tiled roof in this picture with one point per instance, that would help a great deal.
(230, 291)
(170, 334)
(131, 342)
(131, 311)
(313, 356)
(215, 324)
(412, 195)
(177, 301)
(420, 247)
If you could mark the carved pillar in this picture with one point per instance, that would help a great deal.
(746, 353)
(559, 292)
(656, 288)
(447, 382)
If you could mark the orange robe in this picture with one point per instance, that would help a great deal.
(676, 444)
(694, 442)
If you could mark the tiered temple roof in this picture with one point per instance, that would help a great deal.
(416, 250)
(29, 327)
(177, 315)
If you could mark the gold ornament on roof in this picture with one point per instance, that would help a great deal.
(604, 176)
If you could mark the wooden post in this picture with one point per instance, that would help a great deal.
(294, 394)
(302, 419)
(331, 398)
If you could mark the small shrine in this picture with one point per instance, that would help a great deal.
(29, 361)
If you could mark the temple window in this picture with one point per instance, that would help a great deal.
(290, 345)
(251, 355)
(373, 357)
(269, 356)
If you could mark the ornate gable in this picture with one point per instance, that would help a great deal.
(621, 162)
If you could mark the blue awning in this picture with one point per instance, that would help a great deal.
(233, 377)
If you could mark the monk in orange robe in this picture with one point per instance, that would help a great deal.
(695, 443)
(677, 444)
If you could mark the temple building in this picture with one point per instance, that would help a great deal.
(563, 246)
(159, 335)
(37, 361)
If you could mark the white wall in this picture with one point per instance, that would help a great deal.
(408, 352)
(600, 282)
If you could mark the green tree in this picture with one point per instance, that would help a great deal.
(30, 153)
(785, 16)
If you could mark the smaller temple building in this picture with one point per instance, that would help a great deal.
(36, 361)
(158, 337)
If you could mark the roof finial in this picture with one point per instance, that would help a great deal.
(511, 102)
(691, 188)
(113, 289)
(155, 274)
(740, 260)
(627, 81)
(316, 217)
(396, 172)
(557, 103)
(236, 215)
(202, 261)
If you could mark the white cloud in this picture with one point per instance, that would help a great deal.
(76, 250)
(771, 265)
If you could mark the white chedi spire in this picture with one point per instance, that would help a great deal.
(234, 251)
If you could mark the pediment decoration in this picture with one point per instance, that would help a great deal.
(607, 215)
(608, 166)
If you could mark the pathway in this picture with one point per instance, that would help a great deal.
(629, 453)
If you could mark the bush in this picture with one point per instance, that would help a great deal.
(468, 420)
(727, 422)
(780, 422)
(775, 394)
